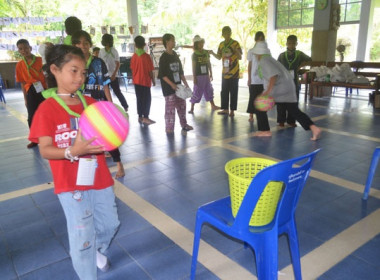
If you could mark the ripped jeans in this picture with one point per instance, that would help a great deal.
(92, 222)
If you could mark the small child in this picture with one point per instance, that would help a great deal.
(291, 59)
(72, 25)
(88, 201)
(30, 74)
(171, 74)
(112, 60)
(143, 77)
(95, 51)
(96, 84)
(202, 75)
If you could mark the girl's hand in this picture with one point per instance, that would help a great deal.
(211, 78)
(195, 80)
(264, 93)
(84, 147)
(174, 86)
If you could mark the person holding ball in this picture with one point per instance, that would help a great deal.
(279, 84)
(87, 197)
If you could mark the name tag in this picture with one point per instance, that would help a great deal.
(86, 171)
(176, 77)
(291, 72)
(226, 63)
(38, 87)
(203, 69)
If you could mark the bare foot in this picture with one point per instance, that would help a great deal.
(191, 112)
(316, 132)
(262, 134)
(120, 170)
(232, 114)
(214, 108)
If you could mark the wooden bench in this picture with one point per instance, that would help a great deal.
(370, 70)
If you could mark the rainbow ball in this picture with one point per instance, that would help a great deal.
(107, 122)
(264, 103)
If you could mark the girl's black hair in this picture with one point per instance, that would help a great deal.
(167, 37)
(107, 39)
(75, 39)
(59, 55)
(258, 35)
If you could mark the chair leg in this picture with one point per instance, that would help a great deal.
(266, 253)
(294, 250)
(197, 236)
(371, 172)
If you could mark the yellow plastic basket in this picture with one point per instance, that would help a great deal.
(240, 173)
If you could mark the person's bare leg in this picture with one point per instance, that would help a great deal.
(192, 109)
(213, 106)
(120, 170)
(316, 132)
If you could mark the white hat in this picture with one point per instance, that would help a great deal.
(261, 48)
(198, 38)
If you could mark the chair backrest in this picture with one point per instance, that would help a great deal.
(293, 173)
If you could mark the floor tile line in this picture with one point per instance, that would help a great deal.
(20, 116)
(26, 191)
(211, 258)
(13, 139)
(321, 259)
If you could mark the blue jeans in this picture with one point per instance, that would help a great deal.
(92, 222)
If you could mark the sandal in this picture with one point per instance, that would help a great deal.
(223, 112)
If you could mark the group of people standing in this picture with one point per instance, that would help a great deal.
(266, 76)
(73, 78)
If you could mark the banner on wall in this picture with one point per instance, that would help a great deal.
(28, 20)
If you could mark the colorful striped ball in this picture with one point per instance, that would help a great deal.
(107, 122)
(264, 103)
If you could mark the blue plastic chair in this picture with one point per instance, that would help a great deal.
(2, 86)
(264, 239)
(371, 172)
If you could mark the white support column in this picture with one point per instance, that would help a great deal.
(271, 36)
(133, 17)
(365, 30)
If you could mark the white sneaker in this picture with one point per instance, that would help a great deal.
(102, 262)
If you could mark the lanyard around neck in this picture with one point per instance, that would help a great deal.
(259, 69)
(52, 92)
(225, 47)
(89, 60)
(290, 63)
(109, 52)
(139, 52)
(29, 66)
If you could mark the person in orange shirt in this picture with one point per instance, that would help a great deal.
(143, 77)
(29, 73)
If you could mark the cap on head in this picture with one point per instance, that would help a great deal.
(261, 48)
(198, 38)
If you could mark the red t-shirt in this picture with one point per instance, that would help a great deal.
(53, 121)
(141, 66)
(35, 74)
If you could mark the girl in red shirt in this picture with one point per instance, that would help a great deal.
(87, 197)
